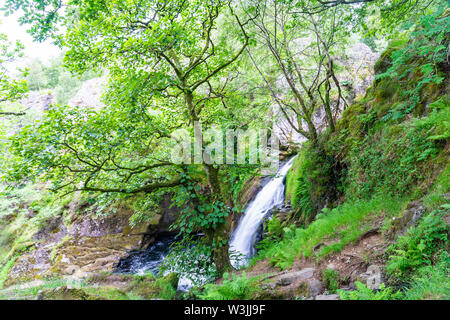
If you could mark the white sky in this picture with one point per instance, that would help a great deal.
(11, 27)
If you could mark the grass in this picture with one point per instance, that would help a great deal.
(435, 198)
(340, 226)
(4, 270)
(427, 283)
(29, 292)
(142, 287)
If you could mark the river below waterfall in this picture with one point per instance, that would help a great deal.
(245, 235)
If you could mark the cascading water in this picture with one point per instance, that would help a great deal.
(242, 241)
(244, 237)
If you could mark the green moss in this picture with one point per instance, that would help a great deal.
(148, 287)
(291, 177)
(343, 224)
(349, 120)
(385, 61)
(4, 271)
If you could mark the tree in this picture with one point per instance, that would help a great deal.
(301, 75)
(37, 78)
(167, 63)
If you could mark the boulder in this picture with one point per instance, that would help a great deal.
(413, 212)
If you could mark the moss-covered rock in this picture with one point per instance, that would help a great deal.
(384, 61)
(65, 293)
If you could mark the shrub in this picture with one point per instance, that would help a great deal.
(364, 293)
(431, 282)
(331, 280)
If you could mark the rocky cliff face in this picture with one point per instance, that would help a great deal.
(83, 243)
(88, 95)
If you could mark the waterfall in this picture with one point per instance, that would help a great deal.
(244, 237)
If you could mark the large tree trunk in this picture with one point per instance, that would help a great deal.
(221, 232)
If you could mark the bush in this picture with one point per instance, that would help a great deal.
(364, 293)
(331, 280)
(431, 282)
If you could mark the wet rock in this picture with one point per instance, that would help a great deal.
(315, 287)
(161, 222)
(249, 192)
(328, 297)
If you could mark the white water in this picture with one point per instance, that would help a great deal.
(244, 237)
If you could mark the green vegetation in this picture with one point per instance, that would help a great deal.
(371, 163)
(232, 288)
(11, 88)
(430, 282)
(56, 78)
(380, 164)
(147, 286)
(135, 288)
(422, 245)
(364, 293)
(331, 280)
(342, 225)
